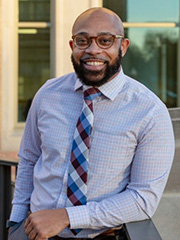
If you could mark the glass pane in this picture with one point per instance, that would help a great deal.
(145, 11)
(119, 7)
(34, 66)
(34, 10)
(152, 60)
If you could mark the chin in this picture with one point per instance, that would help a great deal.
(94, 79)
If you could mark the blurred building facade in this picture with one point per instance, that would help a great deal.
(34, 42)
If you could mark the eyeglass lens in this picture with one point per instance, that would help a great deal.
(103, 41)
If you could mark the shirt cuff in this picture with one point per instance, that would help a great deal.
(19, 213)
(78, 217)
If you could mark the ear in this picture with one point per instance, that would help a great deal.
(124, 46)
(71, 44)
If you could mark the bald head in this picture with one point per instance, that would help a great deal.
(97, 46)
(101, 18)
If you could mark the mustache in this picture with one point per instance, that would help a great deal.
(98, 58)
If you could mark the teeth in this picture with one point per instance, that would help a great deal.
(94, 63)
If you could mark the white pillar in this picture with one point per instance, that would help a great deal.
(63, 15)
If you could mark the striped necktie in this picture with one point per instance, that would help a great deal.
(77, 177)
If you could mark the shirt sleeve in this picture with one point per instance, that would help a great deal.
(29, 153)
(149, 173)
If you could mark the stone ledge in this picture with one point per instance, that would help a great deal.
(174, 113)
(167, 216)
(175, 117)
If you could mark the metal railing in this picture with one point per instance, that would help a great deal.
(141, 230)
(6, 191)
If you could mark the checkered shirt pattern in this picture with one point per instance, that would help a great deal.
(78, 168)
(131, 151)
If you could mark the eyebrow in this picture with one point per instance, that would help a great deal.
(101, 33)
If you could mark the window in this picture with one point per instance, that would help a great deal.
(34, 51)
(153, 55)
(34, 42)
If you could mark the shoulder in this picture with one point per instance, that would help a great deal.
(64, 81)
(52, 90)
(56, 85)
(144, 104)
(141, 94)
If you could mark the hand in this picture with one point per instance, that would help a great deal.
(44, 224)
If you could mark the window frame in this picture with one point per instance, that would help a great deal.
(157, 24)
(162, 25)
(60, 62)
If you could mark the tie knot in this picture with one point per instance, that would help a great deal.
(91, 93)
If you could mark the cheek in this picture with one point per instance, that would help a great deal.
(77, 55)
(113, 56)
(113, 53)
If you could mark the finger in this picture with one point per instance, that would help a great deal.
(33, 234)
(28, 229)
(37, 238)
(27, 221)
(40, 238)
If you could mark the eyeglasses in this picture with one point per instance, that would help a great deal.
(103, 41)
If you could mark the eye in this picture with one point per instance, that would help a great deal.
(105, 40)
(81, 40)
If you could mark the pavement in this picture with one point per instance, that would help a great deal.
(167, 216)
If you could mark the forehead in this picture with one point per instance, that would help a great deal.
(96, 23)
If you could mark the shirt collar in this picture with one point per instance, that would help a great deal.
(111, 89)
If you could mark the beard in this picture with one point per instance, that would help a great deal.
(97, 78)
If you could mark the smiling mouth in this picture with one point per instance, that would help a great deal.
(94, 63)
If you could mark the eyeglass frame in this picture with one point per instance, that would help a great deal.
(118, 36)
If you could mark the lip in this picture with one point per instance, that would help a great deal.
(94, 64)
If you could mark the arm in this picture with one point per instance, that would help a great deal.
(149, 172)
(28, 154)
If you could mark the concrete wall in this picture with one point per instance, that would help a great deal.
(173, 185)
(175, 116)
(167, 216)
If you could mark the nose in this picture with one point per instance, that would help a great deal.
(93, 48)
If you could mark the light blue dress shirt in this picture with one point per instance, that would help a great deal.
(131, 153)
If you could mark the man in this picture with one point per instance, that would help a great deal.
(129, 155)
